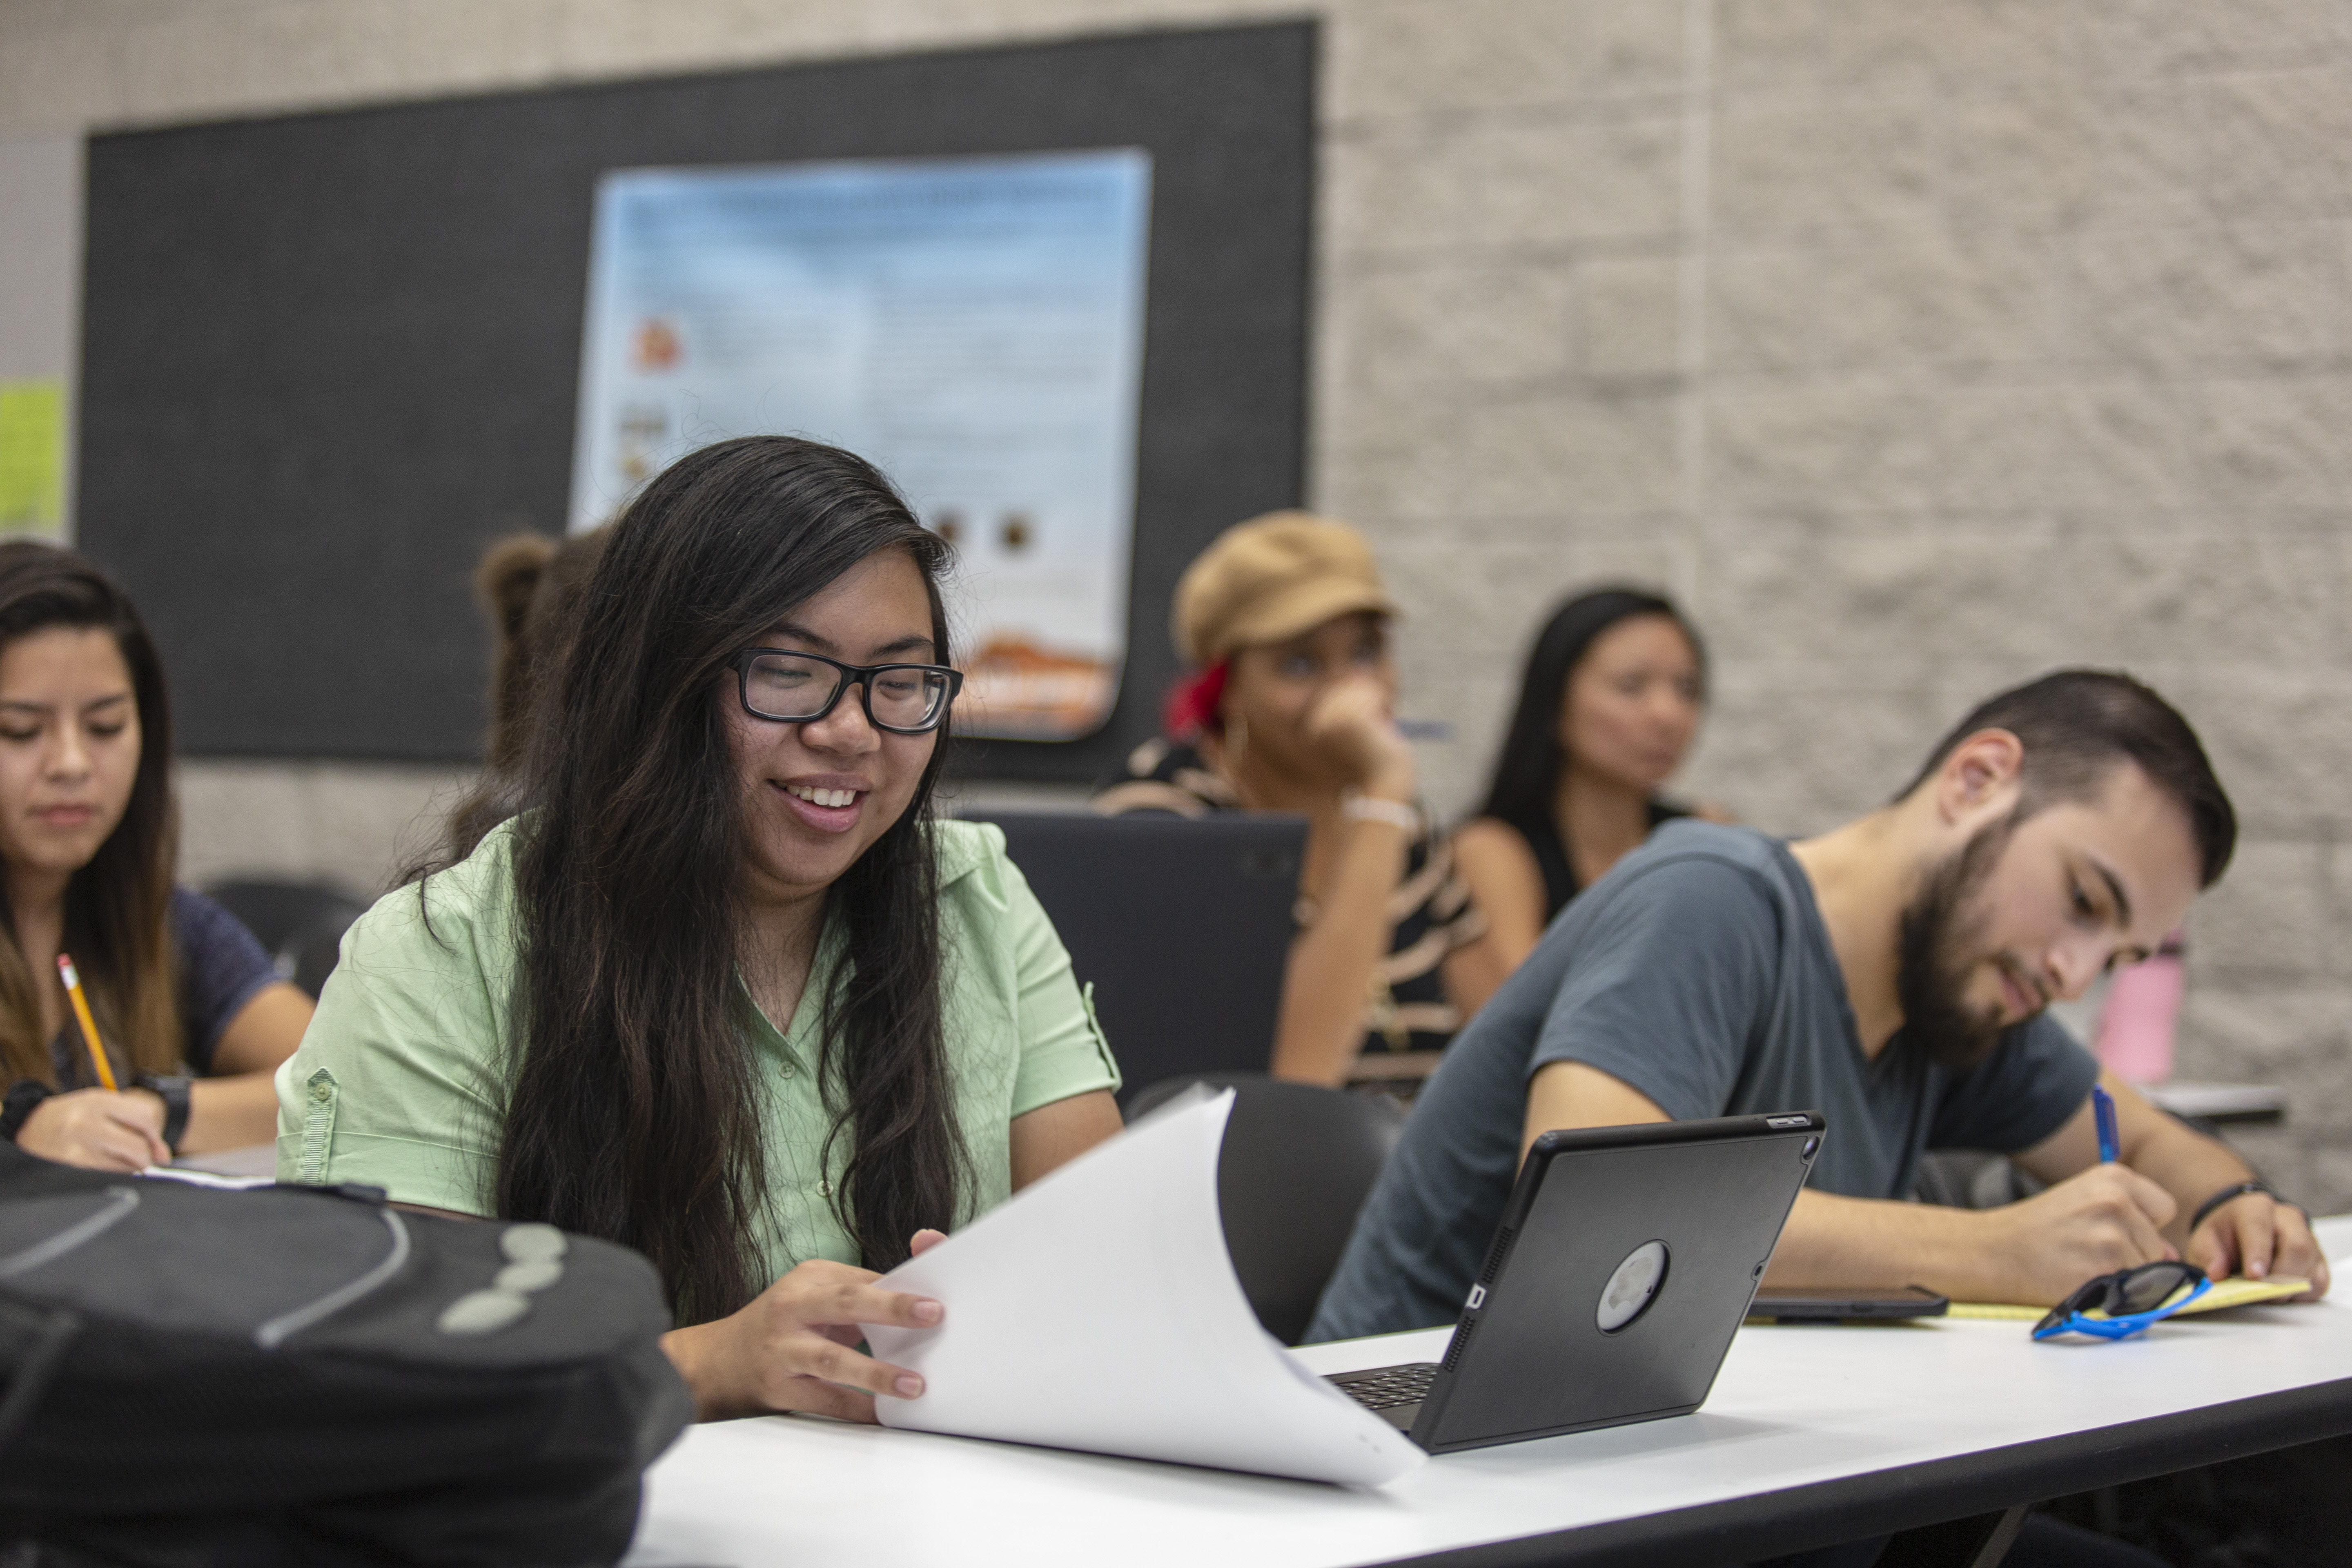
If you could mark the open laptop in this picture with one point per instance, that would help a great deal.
(1623, 1264)
(1181, 924)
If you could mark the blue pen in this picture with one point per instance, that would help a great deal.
(2103, 1107)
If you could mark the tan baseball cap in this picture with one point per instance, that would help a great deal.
(1273, 577)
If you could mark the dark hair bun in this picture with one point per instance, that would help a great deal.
(508, 578)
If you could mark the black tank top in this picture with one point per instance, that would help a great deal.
(1542, 835)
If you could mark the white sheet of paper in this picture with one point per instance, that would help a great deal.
(1098, 1310)
(208, 1178)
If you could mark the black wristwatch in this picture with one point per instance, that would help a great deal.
(24, 1096)
(173, 1093)
(2231, 1195)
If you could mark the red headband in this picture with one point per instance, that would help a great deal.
(1193, 700)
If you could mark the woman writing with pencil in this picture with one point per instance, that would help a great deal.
(168, 981)
(724, 991)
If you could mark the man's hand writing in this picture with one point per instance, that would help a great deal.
(2096, 1221)
(2257, 1236)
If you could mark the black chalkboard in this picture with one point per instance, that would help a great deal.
(326, 358)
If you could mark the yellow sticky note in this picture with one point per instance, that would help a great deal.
(2239, 1291)
(32, 455)
(2235, 1291)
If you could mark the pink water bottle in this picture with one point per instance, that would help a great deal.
(2143, 1004)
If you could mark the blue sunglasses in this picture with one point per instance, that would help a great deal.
(2126, 1301)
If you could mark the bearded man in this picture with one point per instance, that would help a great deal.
(1891, 974)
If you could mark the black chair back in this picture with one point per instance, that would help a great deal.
(300, 923)
(1298, 1163)
(1183, 927)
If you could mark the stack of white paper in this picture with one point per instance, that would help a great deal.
(1098, 1310)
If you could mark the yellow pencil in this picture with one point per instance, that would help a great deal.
(89, 1024)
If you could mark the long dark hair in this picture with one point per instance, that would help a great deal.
(1527, 774)
(635, 1106)
(118, 907)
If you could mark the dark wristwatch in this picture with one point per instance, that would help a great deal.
(2231, 1195)
(173, 1093)
(24, 1096)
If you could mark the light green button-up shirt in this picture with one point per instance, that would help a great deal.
(400, 1079)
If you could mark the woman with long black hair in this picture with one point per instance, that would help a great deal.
(189, 1010)
(1611, 700)
(724, 991)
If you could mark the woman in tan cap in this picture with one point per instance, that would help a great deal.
(1291, 708)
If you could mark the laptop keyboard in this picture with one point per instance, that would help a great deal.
(1388, 1387)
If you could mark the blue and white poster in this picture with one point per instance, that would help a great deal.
(972, 326)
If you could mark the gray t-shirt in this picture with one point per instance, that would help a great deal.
(1699, 973)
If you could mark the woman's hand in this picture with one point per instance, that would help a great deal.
(792, 1349)
(1350, 724)
(98, 1128)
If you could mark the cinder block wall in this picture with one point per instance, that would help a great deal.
(1919, 345)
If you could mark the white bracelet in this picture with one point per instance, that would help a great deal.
(1372, 808)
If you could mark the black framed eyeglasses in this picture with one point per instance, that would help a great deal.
(2126, 1301)
(793, 687)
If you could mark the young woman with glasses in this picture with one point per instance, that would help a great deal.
(188, 1008)
(724, 991)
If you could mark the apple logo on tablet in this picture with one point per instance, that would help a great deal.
(1632, 1288)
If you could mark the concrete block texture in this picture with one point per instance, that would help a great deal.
(1920, 345)
(1820, 449)
(2056, 151)
(2021, 598)
(2277, 144)
(354, 825)
(2269, 923)
(1399, 344)
(1787, 751)
(1630, 316)
(1924, 300)
(1506, 179)
(1405, 56)
(2220, 294)
(2278, 1034)
(2278, 739)
(1811, 171)
(40, 253)
(1845, 46)
(2150, 38)
(2124, 448)
(2275, 443)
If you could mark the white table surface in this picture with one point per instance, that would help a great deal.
(2222, 1101)
(1794, 1406)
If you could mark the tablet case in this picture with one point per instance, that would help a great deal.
(1715, 1192)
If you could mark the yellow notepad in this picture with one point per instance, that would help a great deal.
(2235, 1291)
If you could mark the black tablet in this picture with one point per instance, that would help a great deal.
(1623, 1265)
(1835, 1303)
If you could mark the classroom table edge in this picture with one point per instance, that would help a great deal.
(1879, 1502)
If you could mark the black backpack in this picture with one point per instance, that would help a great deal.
(304, 1376)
